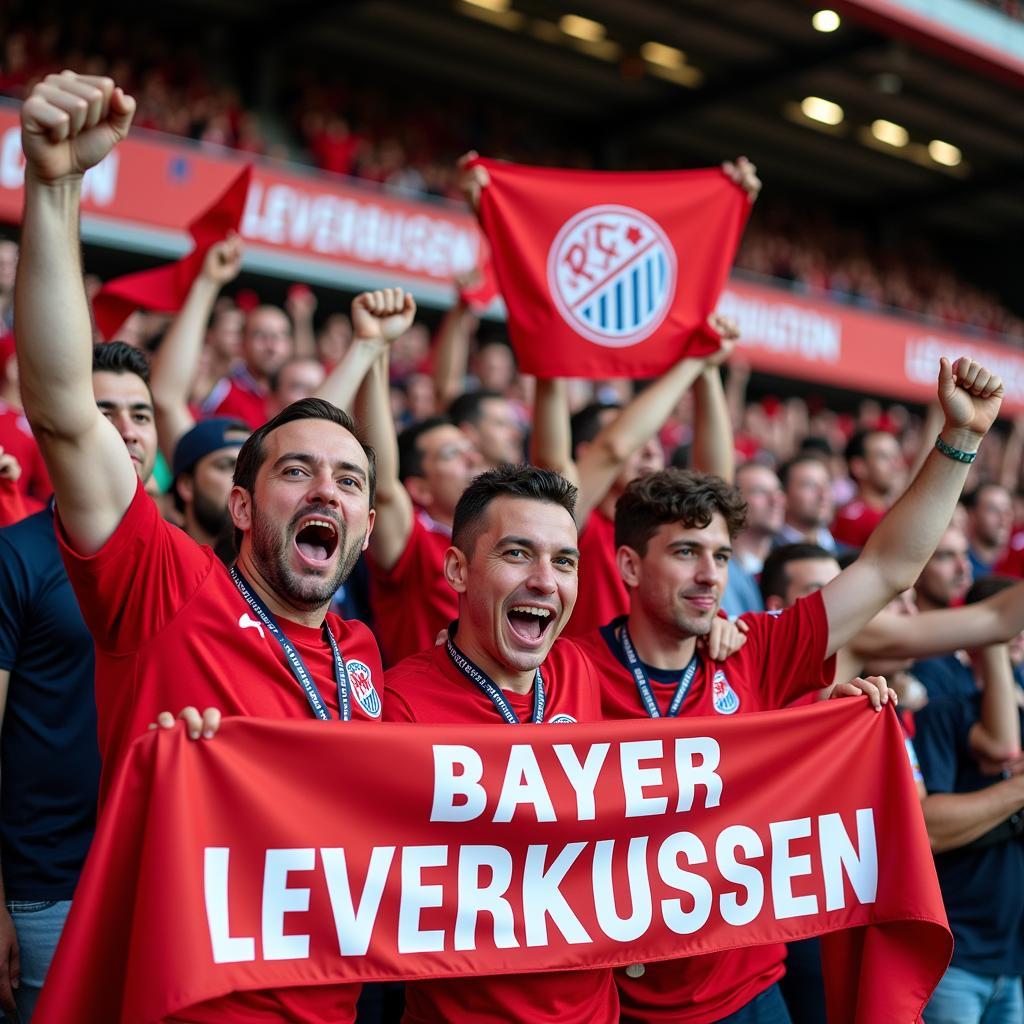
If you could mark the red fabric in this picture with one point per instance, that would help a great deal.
(855, 522)
(165, 288)
(15, 506)
(170, 633)
(138, 945)
(238, 399)
(1012, 563)
(480, 295)
(412, 602)
(16, 439)
(608, 275)
(602, 596)
(783, 658)
(428, 688)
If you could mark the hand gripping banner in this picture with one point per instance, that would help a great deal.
(292, 854)
(609, 275)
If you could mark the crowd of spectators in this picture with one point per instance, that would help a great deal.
(411, 145)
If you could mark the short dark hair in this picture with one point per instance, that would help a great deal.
(410, 455)
(971, 498)
(815, 444)
(468, 407)
(506, 482)
(774, 580)
(252, 454)
(857, 446)
(586, 424)
(798, 460)
(275, 377)
(988, 586)
(120, 357)
(675, 495)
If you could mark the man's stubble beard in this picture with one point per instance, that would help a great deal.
(270, 551)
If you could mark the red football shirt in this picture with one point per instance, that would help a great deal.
(16, 439)
(602, 594)
(784, 658)
(429, 688)
(171, 630)
(855, 522)
(412, 602)
(1012, 562)
(238, 397)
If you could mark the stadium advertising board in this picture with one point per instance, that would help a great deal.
(326, 230)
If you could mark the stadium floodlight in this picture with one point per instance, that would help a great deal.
(582, 28)
(944, 153)
(826, 21)
(890, 133)
(662, 55)
(824, 111)
(499, 6)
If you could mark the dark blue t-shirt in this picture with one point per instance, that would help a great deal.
(946, 676)
(983, 889)
(49, 757)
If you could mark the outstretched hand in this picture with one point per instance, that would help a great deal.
(743, 173)
(472, 180)
(727, 329)
(970, 396)
(70, 122)
(383, 315)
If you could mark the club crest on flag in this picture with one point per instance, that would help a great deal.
(363, 690)
(612, 274)
(562, 720)
(723, 696)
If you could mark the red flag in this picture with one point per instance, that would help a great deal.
(165, 288)
(609, 275)
(225, 866)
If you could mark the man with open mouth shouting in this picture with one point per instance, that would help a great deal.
(513, 562)
(172, 626)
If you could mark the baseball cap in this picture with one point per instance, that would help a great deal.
(205, 437)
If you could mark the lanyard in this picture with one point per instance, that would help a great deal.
(644, 686)
(295, 662)
(476, 675)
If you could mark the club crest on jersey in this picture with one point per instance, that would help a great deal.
(723, 696)
(612, 274)
(562, 720)
(363, 690)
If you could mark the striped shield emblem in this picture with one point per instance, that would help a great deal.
(612, 274)
(363, 690)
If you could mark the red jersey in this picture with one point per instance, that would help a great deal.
(239, 397)
(855, 522)
(1012, 562)
(412, 601)
(171, 629)
(429, 688)
(783, 658)
(602, 594)
(16, 439)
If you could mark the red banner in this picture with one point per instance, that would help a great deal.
(609, 275)
(229, 865)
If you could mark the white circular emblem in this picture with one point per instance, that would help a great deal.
(562, 720)
(636, 971)
(723, 696)
(363, 690)
(612, 274)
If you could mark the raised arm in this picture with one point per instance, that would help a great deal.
(897, 551)
(301, 306)
(551, 437)
(174, 366)
(377, 319)
(713, 446)
(451, 351)
(69, 123)
(995, 737)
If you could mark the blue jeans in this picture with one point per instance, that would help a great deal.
(767, 1008)
(38, 924)
(963, 997)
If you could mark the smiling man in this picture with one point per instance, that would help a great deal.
(513, 564)
(171, 625)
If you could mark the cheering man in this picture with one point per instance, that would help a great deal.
(171, 625)
(674, 535)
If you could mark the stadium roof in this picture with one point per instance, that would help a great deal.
(724, 78)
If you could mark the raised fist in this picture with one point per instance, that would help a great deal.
(970, 395)
(728, 330)
(223, 260)
(383, 315)
(71, 122)
(743, 173)
(472, 180)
